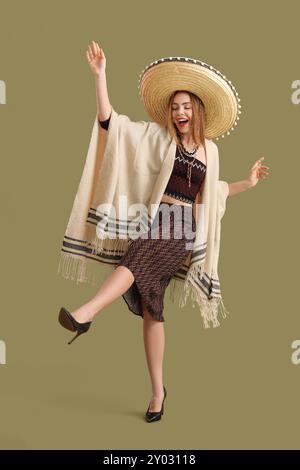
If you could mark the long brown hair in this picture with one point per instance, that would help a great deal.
(197, 122)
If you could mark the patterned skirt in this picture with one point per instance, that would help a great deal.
(155, 259)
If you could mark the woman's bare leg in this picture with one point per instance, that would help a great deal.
(113, 287)
(154, 341)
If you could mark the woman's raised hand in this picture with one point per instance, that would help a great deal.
(96, 58)
(257, 172)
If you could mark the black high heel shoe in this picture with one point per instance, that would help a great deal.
(69, 322)
(156, 415)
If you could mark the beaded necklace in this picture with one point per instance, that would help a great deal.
(184, 152)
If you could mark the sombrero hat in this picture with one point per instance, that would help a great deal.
(220, 98)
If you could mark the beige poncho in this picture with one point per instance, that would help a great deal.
(127, 168)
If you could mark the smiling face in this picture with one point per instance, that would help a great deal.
(182, 111)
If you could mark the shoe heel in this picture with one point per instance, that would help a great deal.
(68, 322)
(76, 336)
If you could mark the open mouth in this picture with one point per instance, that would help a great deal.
(182, 123)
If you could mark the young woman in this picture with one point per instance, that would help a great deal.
(147, 267)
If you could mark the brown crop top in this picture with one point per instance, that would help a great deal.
(178, 185)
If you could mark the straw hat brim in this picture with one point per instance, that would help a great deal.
(159, 80)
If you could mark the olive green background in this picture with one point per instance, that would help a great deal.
(231, 387)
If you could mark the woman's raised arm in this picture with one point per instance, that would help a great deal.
(257, 172)
(97, 62)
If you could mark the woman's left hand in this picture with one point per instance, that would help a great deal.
(257, 172)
